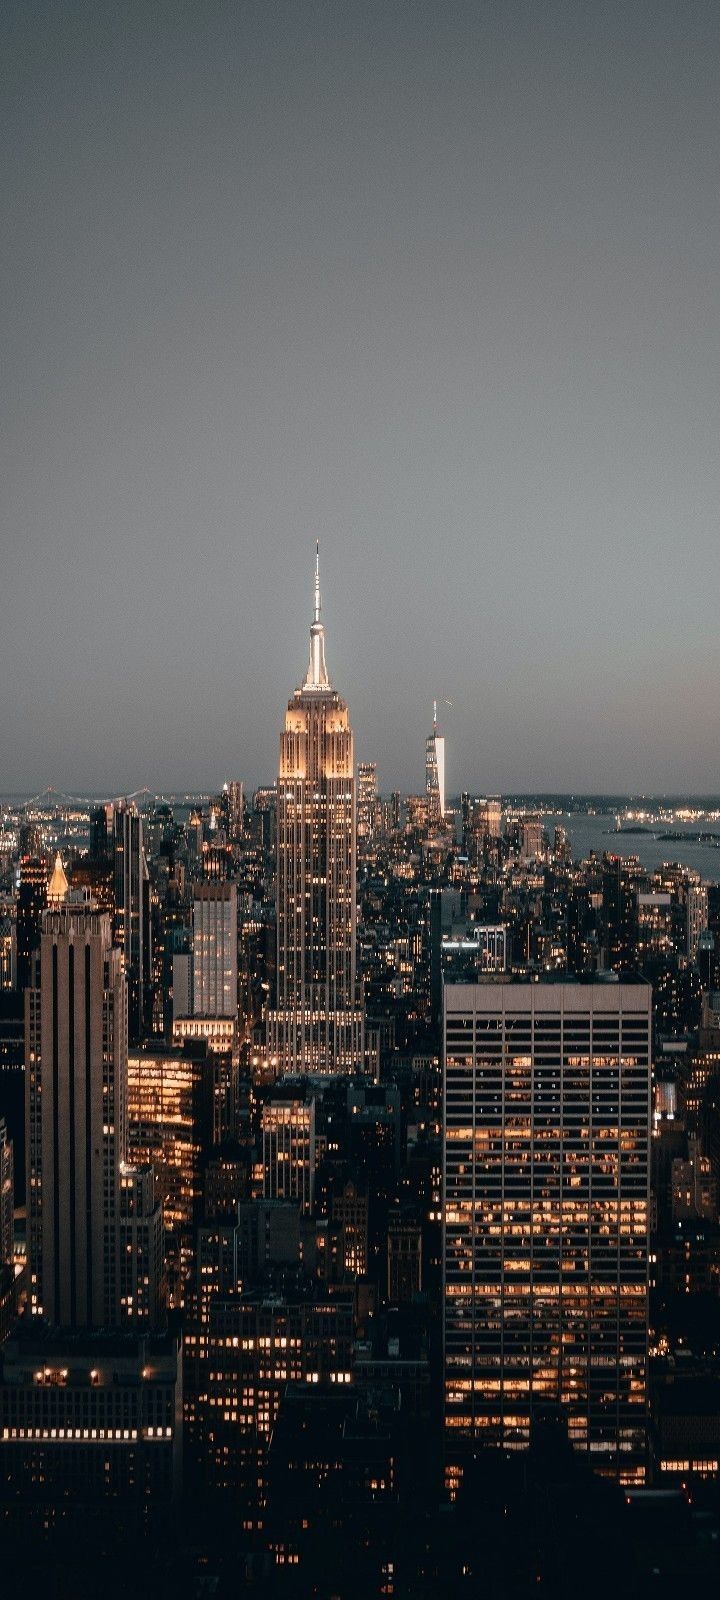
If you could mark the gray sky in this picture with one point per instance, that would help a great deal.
(435, 282)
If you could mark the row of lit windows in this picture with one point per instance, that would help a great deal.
(87, 1433)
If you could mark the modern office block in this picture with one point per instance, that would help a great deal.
(547, 1105)
(8, 943)
(7, 1197)
(142, 1282)
(31, 902)
(697, 916)
(169, 1114)
(288, 1150)
(132, 918)
(215, 965)
(367, 799)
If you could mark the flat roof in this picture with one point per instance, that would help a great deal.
(568, 995)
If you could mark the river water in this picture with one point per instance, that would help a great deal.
(588, 832)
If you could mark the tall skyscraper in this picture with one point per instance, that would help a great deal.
(215, 939)
(435, 769)
(76, 1026)
(8, 944)
(546, 1140)
(288, 1150)
(317, 1023)
(697, 916)
(7, 1197)
(31, 902)
(132, 909)
(367, 799)
(76, 1117)
(622, 879)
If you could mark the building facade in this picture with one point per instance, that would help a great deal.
(316, 1026)
(288, 1151)
(132, 909)
(367, 799)
(214, 966)
(88, 1420)
(435, 769)
(94, 1227)
(546, 1125)
(76, 1118)
(7, 1197)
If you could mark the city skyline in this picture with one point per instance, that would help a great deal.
(359, 1016)
(436, 285)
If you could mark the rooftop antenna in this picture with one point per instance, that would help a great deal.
(317, 581)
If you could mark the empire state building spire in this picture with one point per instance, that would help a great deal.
(316, 676)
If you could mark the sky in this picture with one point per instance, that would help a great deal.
(435, 283)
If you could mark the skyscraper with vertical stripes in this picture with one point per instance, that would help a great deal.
(76, 1117)
(316, 1025)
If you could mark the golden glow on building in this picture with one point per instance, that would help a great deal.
(317, 1024)
(165, 1095)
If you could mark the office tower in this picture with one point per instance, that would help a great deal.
(482, 830)
(89, 1411)
(95, 872)
(265, 816)
(435, 769)
(232, 807)
(547, 1105)
(182, 984)
(288, 1150)
(697, 916)
(142, 1284)
(31, 902)
(158, 830)
(532, 838)
(562, 848)
(317, 1023)
(404, 1260)
(653, 926)
(622, 878)
(491, 816)
(76, 1118)
(132, 909)
(256, 1344)
(8, 1282)
(169, 1114)
(350, 1220)
(100, 841)
(215, 940)
(8, 945)
(7, 1198)
(694, 1186)
(367, 799)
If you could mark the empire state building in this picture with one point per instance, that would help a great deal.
(317, 1024)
